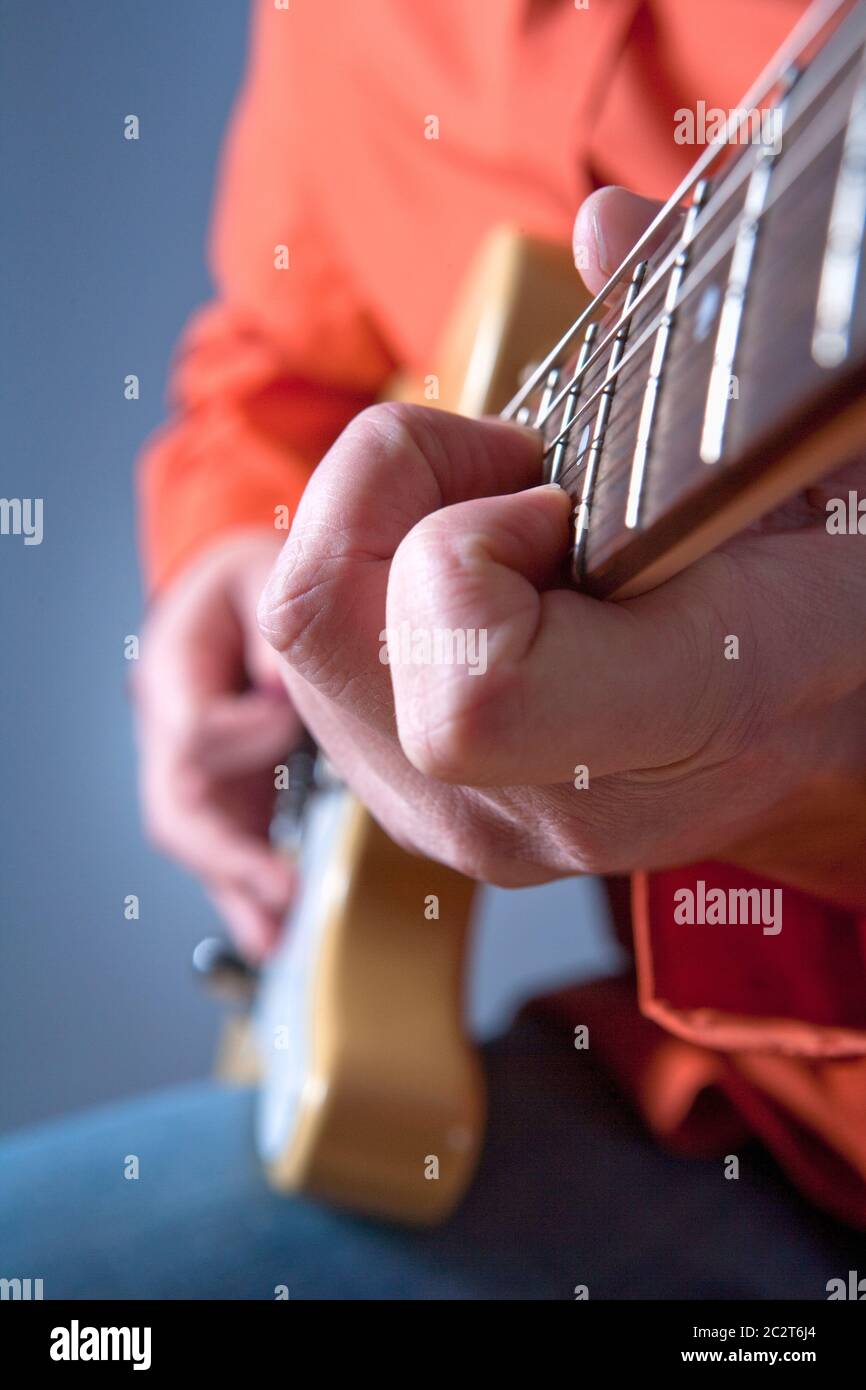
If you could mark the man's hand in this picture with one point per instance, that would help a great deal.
(213, 721)
(417, 521)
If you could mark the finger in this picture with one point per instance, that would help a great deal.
(608, 224)
(324, 605)
(191, 658)
(566, 680)
(246, 733)
(265, 666)
(211, 845)
(255, 928)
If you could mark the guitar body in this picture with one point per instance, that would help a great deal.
(372, 1095)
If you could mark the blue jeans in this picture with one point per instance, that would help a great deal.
(570, 1192)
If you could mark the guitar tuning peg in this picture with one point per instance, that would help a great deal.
(224, 972)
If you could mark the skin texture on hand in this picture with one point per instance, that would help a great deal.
(213, 721)
(421, 522)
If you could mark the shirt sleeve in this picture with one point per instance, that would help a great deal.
(268, 374)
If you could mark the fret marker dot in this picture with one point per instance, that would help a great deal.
(708, 307)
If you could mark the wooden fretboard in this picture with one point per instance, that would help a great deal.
(731, 372)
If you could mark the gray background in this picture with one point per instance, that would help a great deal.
(101, 261)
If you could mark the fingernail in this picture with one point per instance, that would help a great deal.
(601, 249)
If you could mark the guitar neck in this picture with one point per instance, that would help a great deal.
(731, 372)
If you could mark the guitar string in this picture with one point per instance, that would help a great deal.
(719, 201)
(821, 136)
(722, 199)
(818, 17)
(701, 272)
(572, 470)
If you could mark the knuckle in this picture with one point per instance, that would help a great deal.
(393, 424)
(412, 433)
(385, 420)
(268, 620)
(294, 599)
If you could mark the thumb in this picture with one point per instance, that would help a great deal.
(608, 224)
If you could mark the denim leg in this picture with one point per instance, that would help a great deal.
(570, 1192)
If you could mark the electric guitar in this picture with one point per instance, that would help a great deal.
(720, 372)
(371, 1092)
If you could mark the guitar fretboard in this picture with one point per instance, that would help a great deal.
(738, 330)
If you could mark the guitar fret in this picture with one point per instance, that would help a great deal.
(841, 266)
(737, 278)
(547, 395)
(660, 348)
(582, 511)
(734, 302)
(569, 410)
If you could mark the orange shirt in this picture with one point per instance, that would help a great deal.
(538, 102)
